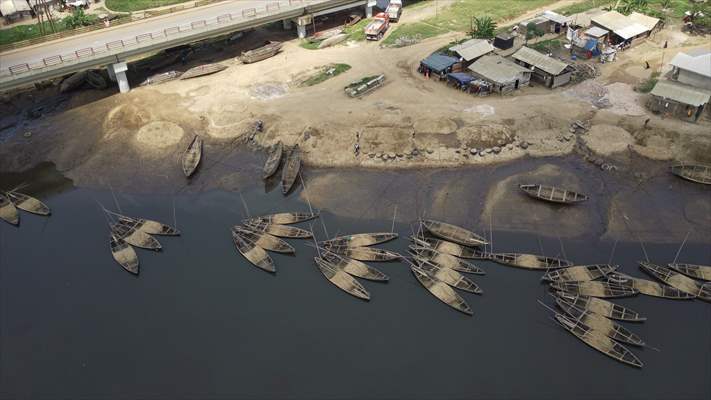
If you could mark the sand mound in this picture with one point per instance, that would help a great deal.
(607, 139)
(159, 135)
(123, 118)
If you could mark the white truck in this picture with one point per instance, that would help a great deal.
(394, 10)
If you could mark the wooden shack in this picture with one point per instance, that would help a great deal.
(503, 75)
(546, 70)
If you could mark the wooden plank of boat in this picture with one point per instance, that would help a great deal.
(445, 260)
(8, 212)
(202, 70)
(609, 328)
(361, 239)
(192, 156)
(529, 261)
(647, 287)
(149, 226)
(553, 194)
(598, 341)
(441, 290)
(364, 253)
(253, 253)
(677, 280)
(602, 307)
(594, 289)
(354, 267)
(580, 273)
(283, 218)
(273, 161)
(341, 279)
(693, 173)
(284, 231)
(702, 272)
(268, 50)
(447, 275)
(453, 233)
(28, 203)
(124, 254)
(264, 240)
(161, 78)
(130, 235)
(291, 169)
(454, 249)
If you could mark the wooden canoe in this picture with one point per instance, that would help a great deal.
(580, 273)
(202, 70)
(284, 231)
(291, 169)
(601, 307)
(124, 254)
(364, 253)
(453, 233)
(441, 290)
(353, 267)
(283, 218)
(192, 156)
(150, 227)
(445, 260)
(253, 253)
(8, 212)
(264, 240)
(609, 328)
(360, 239)
(130, 235)
(270, 49)
(702, 272)
(553, 194)
(529, 261)
(450, 248)
(693, 173)
(647, 287)
(594, 289)
(28, 203)
(677, 280)
(341, 279)
(598, 341)
(447, 275)
(161, 78)
(273, 161)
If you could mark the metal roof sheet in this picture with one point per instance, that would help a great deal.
(596, 32)
(540, 61)
(643, 19)
(681, 93)
(497, 69)
(624, 26)
(472, 49)
(699, 64)
(555, 17)
(439, 62)
(9, 7)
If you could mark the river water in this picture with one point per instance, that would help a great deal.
(200, 322)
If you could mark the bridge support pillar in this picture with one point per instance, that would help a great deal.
(117, 73)
(286, 24)
(301, 24)
(369, 8)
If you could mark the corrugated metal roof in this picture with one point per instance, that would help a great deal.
(700, 64)
(472, 49)
(540, 61)
(643, 19)
(9, 7)
(439, 62)
(681, 93)
(631, 31)
(555, 17)
(497, 69)
(596, 32)
(623, 26)
(611, 20)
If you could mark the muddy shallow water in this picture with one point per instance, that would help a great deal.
(201, 322)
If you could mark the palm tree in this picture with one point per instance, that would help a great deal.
(484, 27)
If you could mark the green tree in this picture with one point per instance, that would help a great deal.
(533, 31)
(77, 19)
(484, 27)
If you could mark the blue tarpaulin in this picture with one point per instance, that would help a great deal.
(591, 46)
(439, 63)
(462, 78)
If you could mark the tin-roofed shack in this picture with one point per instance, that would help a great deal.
(503, 75)
(14, 10)
(626, 30)
(693, 68)
(682, 101)
(546, 70)
(471, 50)
(437, 64)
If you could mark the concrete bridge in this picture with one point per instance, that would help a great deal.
(111, 47)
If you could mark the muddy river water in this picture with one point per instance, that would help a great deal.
(200, 322)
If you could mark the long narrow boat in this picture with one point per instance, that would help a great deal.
(441, 290)
(449, 276)
(580, 273)
(647, 287)
(594, 289)
(360, 239)
(284, 231)
(8, 212)
(553, 194)
(529, 261)
(253, 253)
(364, 253)
(453, 233)
(609, 328)
(161, 78)
(601, 307)
(149, 226)
(134, 237)
(693, 173)
(677, 280)
(445, 260)
(28, 203)
(341, 279)
(264, 240)
(273, 161)
(192, 156)
(354, 267)
(283, 218)
(291, 169)
(450, 248)
(202, 70)
(598, 341)
(124, 254)
(702, 272)
(268, 50)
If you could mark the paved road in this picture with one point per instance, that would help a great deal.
(99, 38)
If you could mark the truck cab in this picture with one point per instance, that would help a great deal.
(394, 10)
(377, 27)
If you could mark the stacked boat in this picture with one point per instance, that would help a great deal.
(12, 201)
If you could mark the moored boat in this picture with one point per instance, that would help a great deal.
(702, 272)
(450, 248)
(283, 218)
(594, 289)
(8, 212)
(601, 307)
(553, 194)
(609, 328)
(341, 279)
(130, 235)
(580, 273)
(364, 253)
(28, 203)
(441, 290)
(149, 226)
(273, 161)
(445, 260)
(647, 287)
(354, 267)
(192, 156)
(677, 280)
(453, 233)
(124, 254)
(291, 169)
(268, 50)
(202, 70)
(284, 231)
(161, 78)
(253, 253)
(529, 261)
(360, 239)
(693, 173)
(264, 240)
(449, 276)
